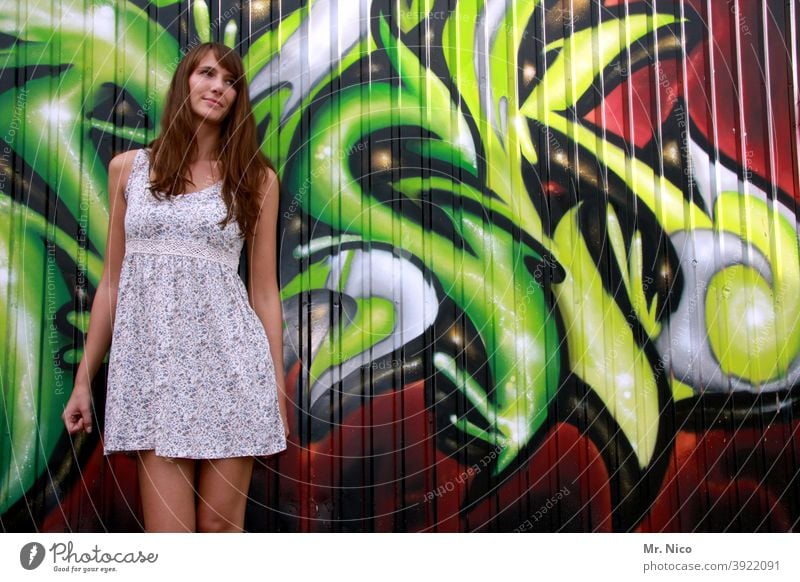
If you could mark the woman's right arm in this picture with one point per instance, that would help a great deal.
(78, 411)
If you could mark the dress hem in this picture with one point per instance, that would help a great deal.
(193, 456)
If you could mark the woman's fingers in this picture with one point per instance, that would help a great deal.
(86, 424)
(86, 419)
(70, 422)
(75, 425)
(77, 419)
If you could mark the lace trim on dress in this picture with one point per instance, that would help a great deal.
(185, 248)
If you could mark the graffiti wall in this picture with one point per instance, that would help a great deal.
(538, 259)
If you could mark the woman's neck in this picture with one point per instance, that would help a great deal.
(207, 140)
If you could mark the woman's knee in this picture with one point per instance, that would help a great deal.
(219, 520)
(222, 494)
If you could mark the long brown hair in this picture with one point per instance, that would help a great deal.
(244, 167)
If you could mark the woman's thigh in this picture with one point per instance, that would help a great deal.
(167, 490)
(222, 492)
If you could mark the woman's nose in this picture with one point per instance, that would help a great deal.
(218, 84)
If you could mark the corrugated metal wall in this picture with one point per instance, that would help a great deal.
(539, 260)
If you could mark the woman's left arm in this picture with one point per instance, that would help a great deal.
(263, 286)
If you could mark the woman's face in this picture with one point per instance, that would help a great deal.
(211, 91)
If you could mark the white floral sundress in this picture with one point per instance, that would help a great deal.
(190, 372)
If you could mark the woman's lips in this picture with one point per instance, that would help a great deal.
(214, 103)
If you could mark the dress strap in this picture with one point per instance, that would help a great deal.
(140, 165)
(144, 164)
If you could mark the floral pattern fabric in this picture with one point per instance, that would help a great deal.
(190, 371)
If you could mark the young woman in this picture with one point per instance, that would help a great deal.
(195, 379)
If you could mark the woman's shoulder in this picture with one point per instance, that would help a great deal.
(270, 175)
(269, 183)
(120, 168)
(123, 161)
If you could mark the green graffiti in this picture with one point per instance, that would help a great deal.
(519, 344)
(753, 325)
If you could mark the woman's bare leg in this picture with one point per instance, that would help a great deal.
(222, 494)
(167, 490)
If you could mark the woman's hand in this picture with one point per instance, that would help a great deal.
(78, 411)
